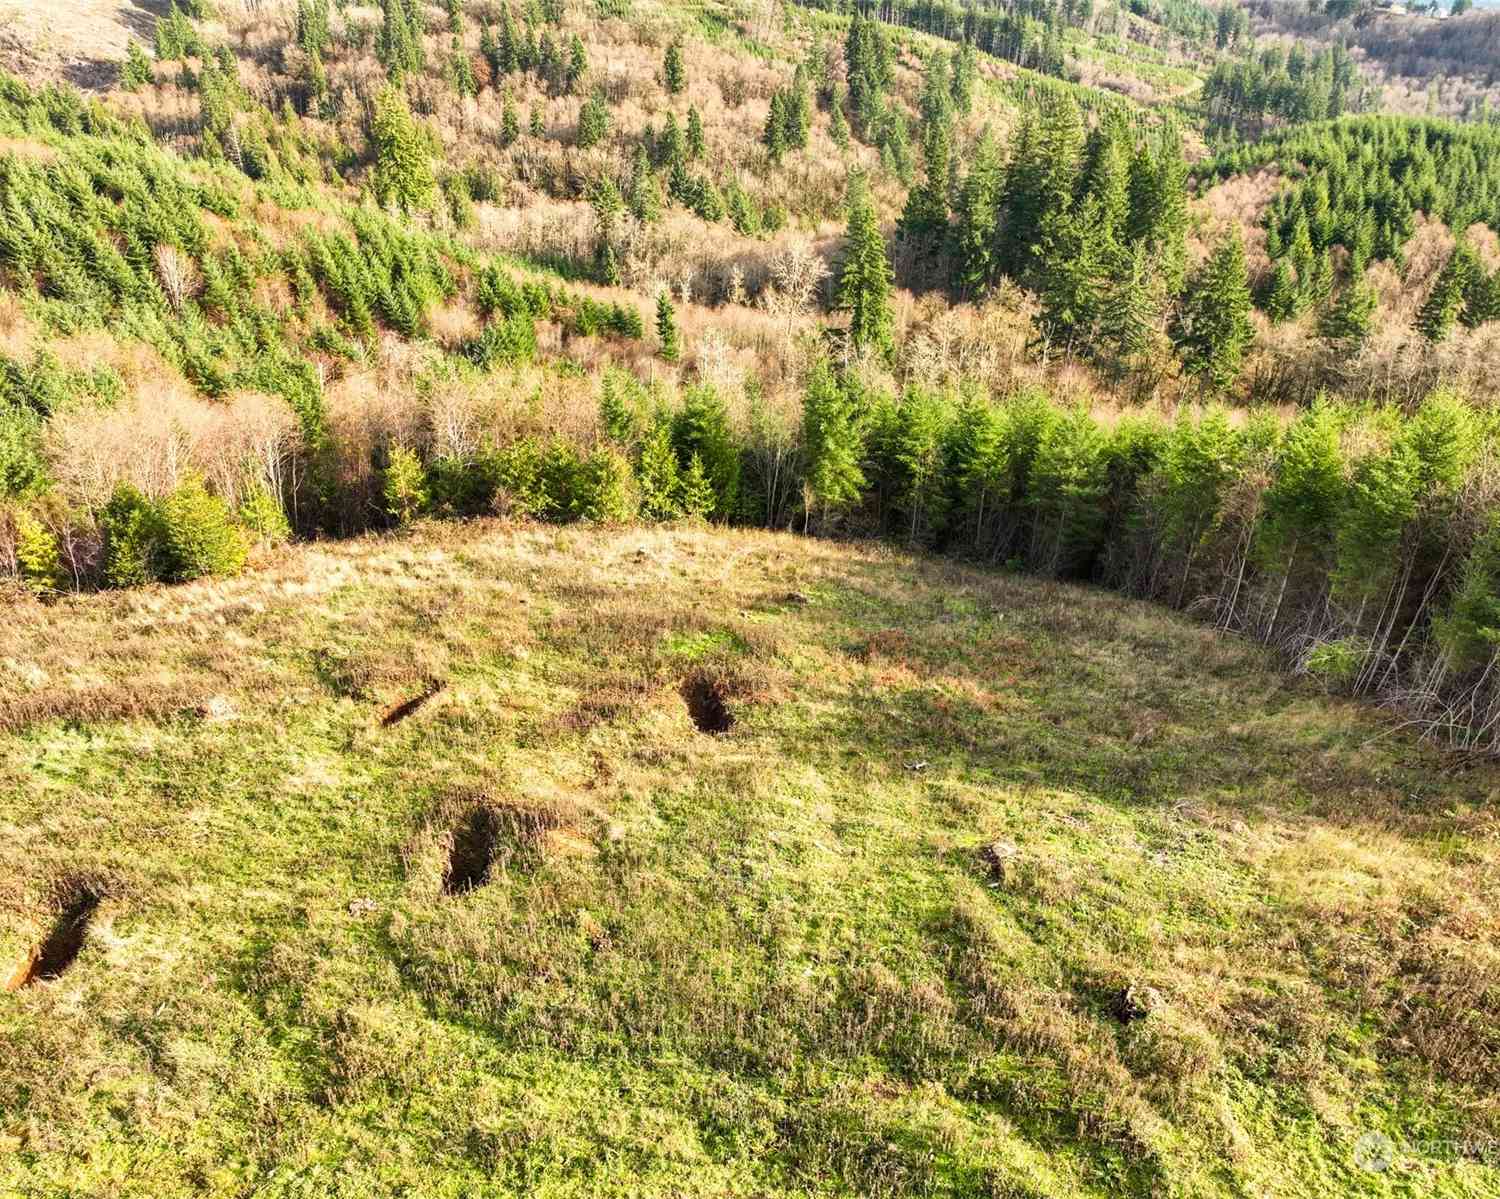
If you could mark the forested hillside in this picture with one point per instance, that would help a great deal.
(907, 271)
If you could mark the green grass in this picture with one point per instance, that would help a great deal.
(774, 962)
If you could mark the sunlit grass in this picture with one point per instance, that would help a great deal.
(780, 960)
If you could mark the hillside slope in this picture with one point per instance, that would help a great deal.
(991, 887)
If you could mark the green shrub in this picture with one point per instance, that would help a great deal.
(134, 539)
(602, 488)
(1336, 662)
(404, 485)
(199, 536)
(507, 342)
(659, 478)
(262, 514)
(37, 555)
(701, 428)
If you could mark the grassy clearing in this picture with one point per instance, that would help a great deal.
(992, 887)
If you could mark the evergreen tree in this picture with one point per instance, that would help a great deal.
(616, 412)
(593, 121)
(507, 48)
(695, 143)
(461, 70)
(706, 200)
(964, 70)
(535, 124)
(798, 110)
(868, 66)
(1283, 297)
(400, 48)
(774, 135)
(1212, 327)
(643, 198)
(701, 430)
(198, 535)
(1106, 178)
(673, 70)
(925, 217)
(320, 100)
(671, 147)
(510, 123)
(489, 50)
(577, 66)
(1479, 298)
(666, 328)
(404, 487)
(1158, 205)
(37, 555)
(1021, 206)
(936, 103)
(742, 213)
(833, 441)
(403, 166)
(313, 33)
(838, 125)
(1075, 262)
(1130, 322)
(864, 289)
(1445, 301)
(659, 478)
(1347, 320)
(976, 263)
(137, 71)
(696, 493)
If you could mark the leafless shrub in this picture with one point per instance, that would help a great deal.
(178, 275)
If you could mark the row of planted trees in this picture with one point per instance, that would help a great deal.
(1363, 544)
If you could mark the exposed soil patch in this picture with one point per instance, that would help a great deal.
(61, 947)
(472, 855)
(489, 838)
(399, 712)
(706, 704)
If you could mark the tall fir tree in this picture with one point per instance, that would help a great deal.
(1347, 320)
(1444, 303)
(924, 220)
(975, 248)
(403, 167)
(833, 442)
(670, 347)
(400, 47)
(962, 73)
(1212, 326)
(774, 136)
(864, 289)
(674, 72)
(1076, 260)
(838, 124)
